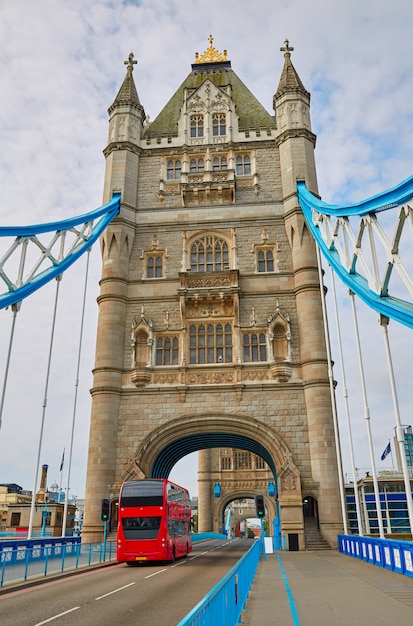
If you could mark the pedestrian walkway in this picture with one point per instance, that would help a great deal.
(325, 588)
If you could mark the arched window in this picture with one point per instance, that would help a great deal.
(174, 169)
(154, 266)
(209, 254)
(167, 351)
(219, 126)
(265, 258)
(219, 164)
(196, 165)
(210, 344)
(243, 165)
(197, 125)
(255, 347)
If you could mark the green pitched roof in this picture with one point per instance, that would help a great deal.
(251, 113)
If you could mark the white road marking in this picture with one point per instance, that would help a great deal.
(155, 573)
(114, 591)
(57, 616)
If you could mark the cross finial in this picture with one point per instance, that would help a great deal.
(130, 63)
(286, 48)
(210, 39)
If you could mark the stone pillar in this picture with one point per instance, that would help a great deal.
(204, 491)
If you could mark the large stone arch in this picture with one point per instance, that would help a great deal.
(239, 494)
(181, 436)
(170, 442)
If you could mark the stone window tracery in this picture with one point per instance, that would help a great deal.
(210, 343)
(173, 169)
(226, 463)
(243, 165)
(254, 347)
(265, 259)
(209, 254)
(154, 266)
(167, 350)
(219, 127)
(197, 125)
(196, 165)
(242, 460)
(154, 260)
(219, 164)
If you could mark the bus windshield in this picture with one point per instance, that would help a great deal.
(141, 527)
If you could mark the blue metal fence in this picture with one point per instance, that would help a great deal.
(21, 560)
(388, 553)
(223, 605)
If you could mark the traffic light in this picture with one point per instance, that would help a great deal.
(104, 510)
(260, 506)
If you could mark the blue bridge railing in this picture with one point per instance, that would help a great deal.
(388, 553)
(223, 605)
(21, 560)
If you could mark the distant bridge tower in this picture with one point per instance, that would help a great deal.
(210, 330)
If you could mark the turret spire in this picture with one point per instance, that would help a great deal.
(130, 63)
(289, 78)
(286, 49)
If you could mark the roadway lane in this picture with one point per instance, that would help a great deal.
(118, 594)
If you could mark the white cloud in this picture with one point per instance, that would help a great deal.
(61, 65)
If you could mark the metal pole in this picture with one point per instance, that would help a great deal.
(262, 539)
(345, 395)
(66, 504)
(384, 321)
(367, 419)
(39, 448)
(15, 308)
(105, 523)
(332, 395)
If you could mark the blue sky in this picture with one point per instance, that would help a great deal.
(61, 65)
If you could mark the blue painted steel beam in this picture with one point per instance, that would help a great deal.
(394, 197)
(104, 214)
(393, 308)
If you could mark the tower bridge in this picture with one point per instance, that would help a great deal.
(212, 327)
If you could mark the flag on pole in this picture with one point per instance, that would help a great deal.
(386, 451)
(63, 460)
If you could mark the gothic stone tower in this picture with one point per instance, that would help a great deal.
(210, 329)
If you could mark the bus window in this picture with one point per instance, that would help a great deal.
(141, 527)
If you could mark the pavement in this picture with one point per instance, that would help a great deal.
(325, 588)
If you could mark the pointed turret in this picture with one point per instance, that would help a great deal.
(127, 94)
(126, 119)
(296, 141)
(290, 79)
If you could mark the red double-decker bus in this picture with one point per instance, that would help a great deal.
(154, 521)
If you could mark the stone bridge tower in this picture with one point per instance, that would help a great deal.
(210, 331)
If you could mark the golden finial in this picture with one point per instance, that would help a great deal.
(211, 55)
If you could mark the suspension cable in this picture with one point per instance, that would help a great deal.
(332, 394)
(347, 410)
(15, 309)
(367, 418)
(75, 396)
(29, 534)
